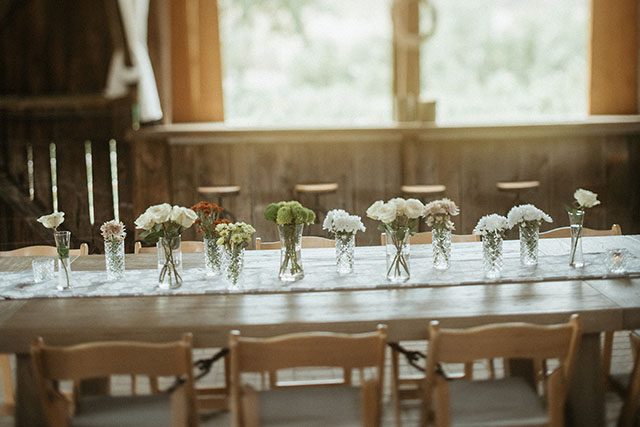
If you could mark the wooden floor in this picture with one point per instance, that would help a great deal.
(621, 363)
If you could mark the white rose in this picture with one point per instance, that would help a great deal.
(184, 217)
(387, 213)
(399, 204)
(374, 210)
(159, 213)
(52, 220)
(586, 198)
(413, 208)
(144, 222)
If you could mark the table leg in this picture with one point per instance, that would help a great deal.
(586, 400)
(28, 411)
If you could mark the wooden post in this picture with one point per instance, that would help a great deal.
(196, 72)
(613, 83)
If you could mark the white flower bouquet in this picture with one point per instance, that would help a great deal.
(492, 228)
(234, 238)
(163, 225)
(344, 227)
(399, 219)
(439, 212)
(113, 233)
(526, 214)
(583, 199)
(528, 219)
(63, 242)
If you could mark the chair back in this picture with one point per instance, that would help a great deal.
(103, 359)
(426, 238)
(508, 341)
(615, 230)
(45, 251)
(308, 242)
(187, 247)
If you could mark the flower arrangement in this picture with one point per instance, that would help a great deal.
(528, 219)
(492, 228)
(439, 212)
(163, 224)
(340, 223)
(234, 238)
(491, 224)
(113, 233)
(399, 219)
(290, 217)
(344, 228)
(209, 215)
(62, 239)
(583, 199)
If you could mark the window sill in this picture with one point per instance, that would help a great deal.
(204, 133)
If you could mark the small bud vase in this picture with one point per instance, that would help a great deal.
(63, 242)
(212, 257)
(398, 253)
(441, 246)
(169, 262)
(114, 258)
(492, 255)
(345, 245)
(529, 236)
(576, 219)
(290, 252)
(232, 264)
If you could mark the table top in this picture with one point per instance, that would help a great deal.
(604, 304)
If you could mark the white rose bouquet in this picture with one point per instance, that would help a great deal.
(234, 238)
(164, 224)
(399, 219)
(63, 241)
(492, 228)
(583, 199)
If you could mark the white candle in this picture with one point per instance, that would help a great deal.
(113, 161)
(54, 176)
(88, 160)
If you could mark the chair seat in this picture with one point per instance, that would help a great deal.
(517, 185)
(127, 411)
(503, 402)
(327, 187)
(220, 190)
(423, 189)
(310, 407)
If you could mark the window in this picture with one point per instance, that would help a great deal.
(507, 60)
(306, 62)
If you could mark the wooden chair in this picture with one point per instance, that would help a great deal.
(300, 404)
(45, 251)
(426, 237)
(494, 402)
(628, 386)
(8, 405)
(102, 359)
(308, 242)
(188, 247)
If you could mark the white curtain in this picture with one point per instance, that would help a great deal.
(135, 15)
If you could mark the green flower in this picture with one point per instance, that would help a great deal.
(288, 213)
(271, 213)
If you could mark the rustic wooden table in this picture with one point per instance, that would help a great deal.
(603, 304)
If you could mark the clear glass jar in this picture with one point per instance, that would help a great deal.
(345, 246)
(492, 255)
(441, 246)
(114, 258)
(529, 236)
(169, 262)
(290, 252)
(63, 242)
(232, 264)
(212, 257)
(576, 219)
(398, 255)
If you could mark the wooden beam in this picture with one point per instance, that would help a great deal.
(196, 71)
(613, 84)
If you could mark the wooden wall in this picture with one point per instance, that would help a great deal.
(372, 165)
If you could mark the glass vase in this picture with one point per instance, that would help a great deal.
(529, 236)
(345, 246)
(114, 258)
(169, 262)
(232, 264)
(212, 257)
(441, 245)
(63, 242)
(492, 255)
(398, 253)
(576, 219)
(290, 254)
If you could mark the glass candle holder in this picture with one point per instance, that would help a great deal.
(616, 261)
(43, 269)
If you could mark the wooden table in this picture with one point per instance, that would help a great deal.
(604, 305)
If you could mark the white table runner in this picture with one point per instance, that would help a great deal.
(261, 268)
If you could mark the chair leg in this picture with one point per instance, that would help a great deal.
(395, 386)
(607, 352)
(7, 384)
(630, 406)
